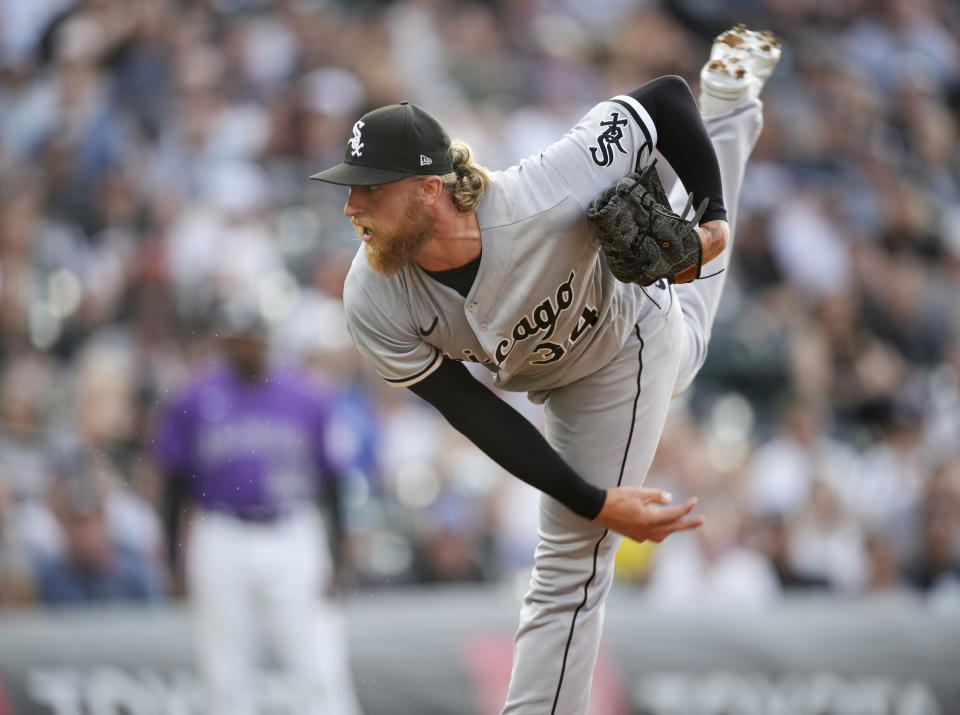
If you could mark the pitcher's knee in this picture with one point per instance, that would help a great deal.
(566, 580)
(547, 600)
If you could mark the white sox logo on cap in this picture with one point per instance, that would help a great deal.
(356, 146)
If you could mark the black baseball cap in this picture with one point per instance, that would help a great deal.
(392, 143)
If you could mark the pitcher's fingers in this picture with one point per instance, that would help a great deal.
(684, 525)
(656, 496)
(673, 513)
(687, 524)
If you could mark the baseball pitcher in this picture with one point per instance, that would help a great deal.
(570, 278)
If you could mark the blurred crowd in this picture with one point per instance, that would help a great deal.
(153, 160)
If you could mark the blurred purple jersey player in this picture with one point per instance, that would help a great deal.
(249, 448)
(244, 444)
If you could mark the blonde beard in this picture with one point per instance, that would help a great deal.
(392, 250)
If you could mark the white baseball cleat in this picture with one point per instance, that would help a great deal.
(757, 50)
(741, 61)
(726, 78)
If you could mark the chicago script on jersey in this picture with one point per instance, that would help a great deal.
(542, 318)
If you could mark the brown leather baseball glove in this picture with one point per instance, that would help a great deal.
(642, 238)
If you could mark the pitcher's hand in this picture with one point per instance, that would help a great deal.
(640, 514)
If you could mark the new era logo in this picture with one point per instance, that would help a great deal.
(425, 160)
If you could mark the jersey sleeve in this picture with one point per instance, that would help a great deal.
(612, 139)
(384, 336)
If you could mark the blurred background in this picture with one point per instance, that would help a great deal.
(153, 160)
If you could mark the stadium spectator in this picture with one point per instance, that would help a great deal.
(936, 565)
(827, 541)
(16, 580)
(25, 445)
(93, 567)
(772, 536)
(715, 563)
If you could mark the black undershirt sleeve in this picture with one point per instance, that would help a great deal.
(683, 140)
(506, 436)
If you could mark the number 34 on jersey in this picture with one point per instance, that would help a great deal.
(542, 322)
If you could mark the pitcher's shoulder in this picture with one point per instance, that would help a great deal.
(521, 192)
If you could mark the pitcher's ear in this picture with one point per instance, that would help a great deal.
(431, 188)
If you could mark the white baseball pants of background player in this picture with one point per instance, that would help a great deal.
(256, 585)
(607, 427)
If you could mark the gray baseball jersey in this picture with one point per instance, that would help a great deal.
(544, 309)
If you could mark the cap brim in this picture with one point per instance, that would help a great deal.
(356, 175)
